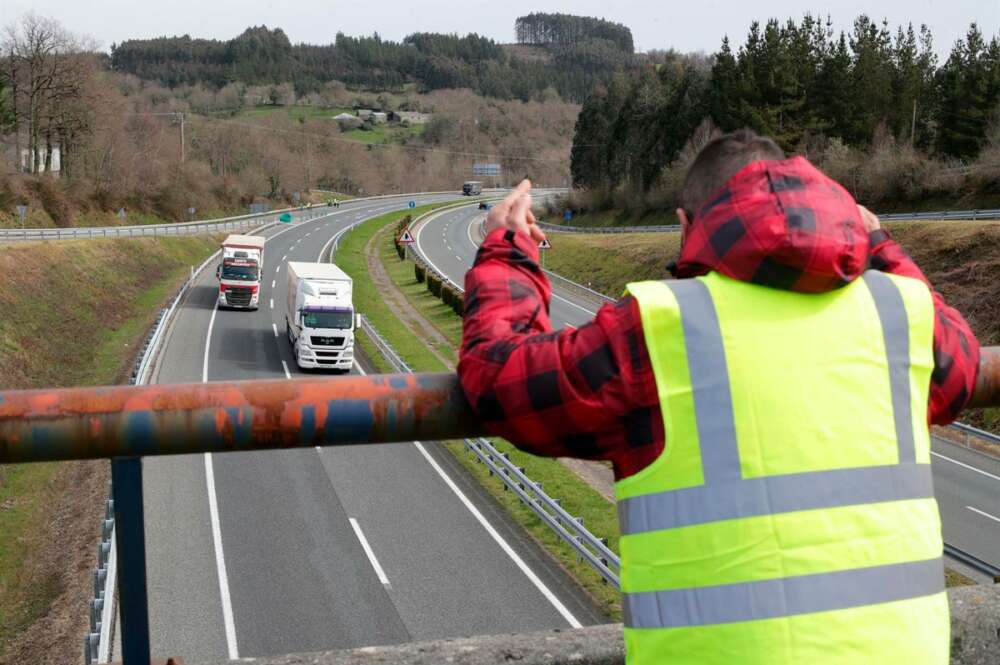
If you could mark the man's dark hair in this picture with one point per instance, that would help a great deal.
(719, 161)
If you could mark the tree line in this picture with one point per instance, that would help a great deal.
(431, 61)
(799, 82)
(565, 29)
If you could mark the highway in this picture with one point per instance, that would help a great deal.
(966, 483)
(258, 554)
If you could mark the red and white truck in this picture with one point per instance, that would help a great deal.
(240, 271)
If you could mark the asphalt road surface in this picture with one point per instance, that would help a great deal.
(966, 483)
(256, 554)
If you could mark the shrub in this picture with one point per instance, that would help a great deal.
(419, 272)
(434, 285)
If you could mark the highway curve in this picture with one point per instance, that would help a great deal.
(967, 483)
(255, 554)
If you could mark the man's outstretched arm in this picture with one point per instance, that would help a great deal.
(586, 392)
(956, 349)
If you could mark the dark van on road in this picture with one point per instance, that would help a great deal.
(472, 188)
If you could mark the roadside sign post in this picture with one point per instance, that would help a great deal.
(121, 213)
(413, 204)
(22, 212)
(406, 239)
(191, 211)
(542, 246)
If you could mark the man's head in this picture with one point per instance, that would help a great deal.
(719, 161)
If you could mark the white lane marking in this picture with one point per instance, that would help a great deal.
(369, 552)
(272, 303)
(213, 511)
(984, 513)
(283, 258)
(208, 344)
(274, 327)
(284, 366)
(967, 466)
(273, 282)
(277, 269)
(518, 561)
(220, 561)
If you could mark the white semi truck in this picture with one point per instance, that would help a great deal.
(239, 272)
(319, 315)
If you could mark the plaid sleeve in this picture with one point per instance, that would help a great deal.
(583, 392)
(956, 349)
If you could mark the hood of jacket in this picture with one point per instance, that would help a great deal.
(782, 224)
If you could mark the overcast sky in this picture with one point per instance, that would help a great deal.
(685, 25)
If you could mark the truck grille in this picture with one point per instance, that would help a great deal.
(326, 341)
(238, 297)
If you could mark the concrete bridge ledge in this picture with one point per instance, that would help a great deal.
(975, 641)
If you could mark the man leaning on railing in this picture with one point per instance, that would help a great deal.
(766, 415)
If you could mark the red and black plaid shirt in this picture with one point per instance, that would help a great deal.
(589, 392)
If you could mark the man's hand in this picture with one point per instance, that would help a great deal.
(514, 213)
(869, 218)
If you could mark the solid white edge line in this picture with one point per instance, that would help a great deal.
(369, 552)
(208, 344)
(518, 561)
(967, 466)
(284, 366)
(220, 561)
(274, 327)
(984, 514)
(213, 511)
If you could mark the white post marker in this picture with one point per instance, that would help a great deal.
(544, 245)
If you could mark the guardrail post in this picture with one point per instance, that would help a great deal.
(126, 478)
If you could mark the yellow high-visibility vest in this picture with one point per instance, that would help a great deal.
(791, 517)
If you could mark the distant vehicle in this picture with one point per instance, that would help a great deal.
(239, 272)
(319, 316)
(472, 188)
(483, 205)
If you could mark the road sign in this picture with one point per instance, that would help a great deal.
(486, 169)
(296, 196)
(568, 215)
(191, 211)
(285, 218)
(413, 204)
(22, 211)
(544, 244)
(406, 238)
(121, 213)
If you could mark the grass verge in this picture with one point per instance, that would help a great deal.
(576, 496)
(73, 313)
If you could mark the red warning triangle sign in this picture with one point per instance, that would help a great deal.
(406, 238)
(544, 244)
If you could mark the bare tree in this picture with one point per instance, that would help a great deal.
(47, 70)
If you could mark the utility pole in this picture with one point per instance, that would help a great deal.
(182, 136)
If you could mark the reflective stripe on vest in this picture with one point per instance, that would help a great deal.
(726, 495)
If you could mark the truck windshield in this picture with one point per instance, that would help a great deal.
(242, 273)
(342, 320)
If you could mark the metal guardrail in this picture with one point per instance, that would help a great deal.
(570, 529)
(969, 215)
(559, 228)
(97, 642)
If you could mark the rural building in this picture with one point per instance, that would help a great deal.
(364, 114)
(379, 118)
(410, 117)
(348, 121)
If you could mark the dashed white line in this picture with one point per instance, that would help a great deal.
(967, 466)
(369, 552)
(272, 303)
(984, 514)
(518, 561)
(284, 366)
(273, 282)
(283, 258)
(274, 327)
(277, 269)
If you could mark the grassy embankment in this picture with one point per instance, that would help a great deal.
(383, 133)
(71, 313)
(577, 497)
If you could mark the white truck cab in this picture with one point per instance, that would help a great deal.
(319, 316)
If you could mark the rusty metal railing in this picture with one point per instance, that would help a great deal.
(125, 423)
